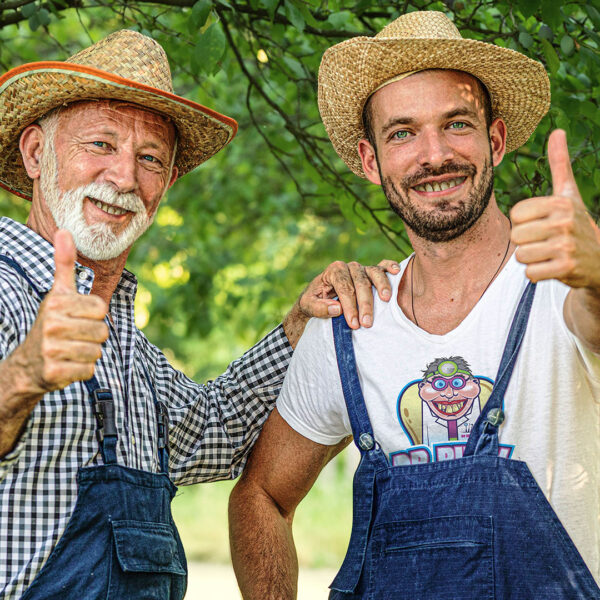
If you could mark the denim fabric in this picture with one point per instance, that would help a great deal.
(474, 528)
(121, 542)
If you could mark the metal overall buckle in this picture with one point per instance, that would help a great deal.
(163, 426)
(104, 411)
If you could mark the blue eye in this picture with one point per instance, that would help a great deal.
(439, 383)
(458, 383)
(100, 144)
(149, 158)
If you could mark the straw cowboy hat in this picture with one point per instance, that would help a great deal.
(125, 66)
(352, 70)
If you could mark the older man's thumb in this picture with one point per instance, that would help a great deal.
(64, 260)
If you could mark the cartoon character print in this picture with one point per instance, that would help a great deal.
(438, 411)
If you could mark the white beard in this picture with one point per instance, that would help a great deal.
(98, 241)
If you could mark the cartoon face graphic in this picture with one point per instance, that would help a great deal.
(449, 392)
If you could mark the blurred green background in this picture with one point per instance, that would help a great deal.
(237, 240)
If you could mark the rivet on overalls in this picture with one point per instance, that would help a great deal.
(495, 417)
(365, 441)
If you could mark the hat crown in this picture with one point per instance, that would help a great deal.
(130, 55)
(429, 24)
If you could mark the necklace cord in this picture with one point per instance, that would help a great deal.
(412, 289)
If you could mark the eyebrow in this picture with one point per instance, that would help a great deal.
(462, 111)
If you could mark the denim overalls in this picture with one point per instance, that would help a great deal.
(474, 528)
(121, 542)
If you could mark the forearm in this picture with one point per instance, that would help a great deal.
(582, 316)
(17, 400)
(294, 323)
(262, 547)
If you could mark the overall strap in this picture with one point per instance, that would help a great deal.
(484, 435)
(103, 405)
(372, 459)
(355, 402)
(17, 267)
(162, 417)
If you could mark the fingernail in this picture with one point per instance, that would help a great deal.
(367, 321)
(333, 310)
(386, 294)
(355, 323)
(395, 266)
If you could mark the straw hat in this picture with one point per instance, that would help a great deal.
(126, 66)
(352, 70)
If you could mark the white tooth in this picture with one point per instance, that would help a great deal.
(428, 187)
(444, 185)
(111, 210)
(436, 187)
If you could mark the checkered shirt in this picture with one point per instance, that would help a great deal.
(212, 426)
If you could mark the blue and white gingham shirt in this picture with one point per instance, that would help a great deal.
(212, 426)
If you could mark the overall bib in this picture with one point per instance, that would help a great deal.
(474, 528)
(121, 542)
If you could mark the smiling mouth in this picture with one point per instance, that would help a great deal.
(439, 186)
(108, 208)
(450, 408)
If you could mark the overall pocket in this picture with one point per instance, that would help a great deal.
(145, 562)
(430, 559)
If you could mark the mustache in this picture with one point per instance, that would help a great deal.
(107, 194)
(427, 172)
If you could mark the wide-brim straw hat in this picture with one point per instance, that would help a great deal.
(352, 70)
(124, 66)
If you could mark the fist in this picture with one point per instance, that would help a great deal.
(555, 235)
(66, 339)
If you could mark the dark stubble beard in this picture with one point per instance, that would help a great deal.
(447, 221)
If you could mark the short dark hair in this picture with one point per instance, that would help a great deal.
(367, 113)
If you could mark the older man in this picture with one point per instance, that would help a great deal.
(92, 416)
(426, 115)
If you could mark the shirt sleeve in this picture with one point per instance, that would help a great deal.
(312, 400)
(212, 427)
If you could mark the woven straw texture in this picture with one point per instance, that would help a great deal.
(350, 71)
(125, 66)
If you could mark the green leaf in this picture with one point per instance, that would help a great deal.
(593, 14)
(528, 7)
(551, 14)
(209, 50)
(200, 12)
(339, 19)
(28, 10)
(270, 6)
(525, 39)
(552, 60)
(567, 45)
(34, 22)
(294, 66)
(44, 17)
(295, 16)
(546, 33)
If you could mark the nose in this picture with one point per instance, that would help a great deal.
(122, 171)
(434, 149)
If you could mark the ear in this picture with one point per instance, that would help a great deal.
(173, 179)
(497, 133)
(31, 144)
(368, 157)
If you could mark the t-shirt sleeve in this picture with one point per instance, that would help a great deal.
(311, 399)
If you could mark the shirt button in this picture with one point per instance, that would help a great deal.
(133, 440)
(82, 276)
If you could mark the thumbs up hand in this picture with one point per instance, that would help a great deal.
(66, 339)
(556, 236)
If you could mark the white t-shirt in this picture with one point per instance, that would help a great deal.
(423, 393)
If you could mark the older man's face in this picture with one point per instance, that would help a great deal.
(108, 169)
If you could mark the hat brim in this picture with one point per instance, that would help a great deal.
(350, 71)
(30, 91)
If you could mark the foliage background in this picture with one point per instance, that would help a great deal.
(236, 240)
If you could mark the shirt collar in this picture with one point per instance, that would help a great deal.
(35, 255)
